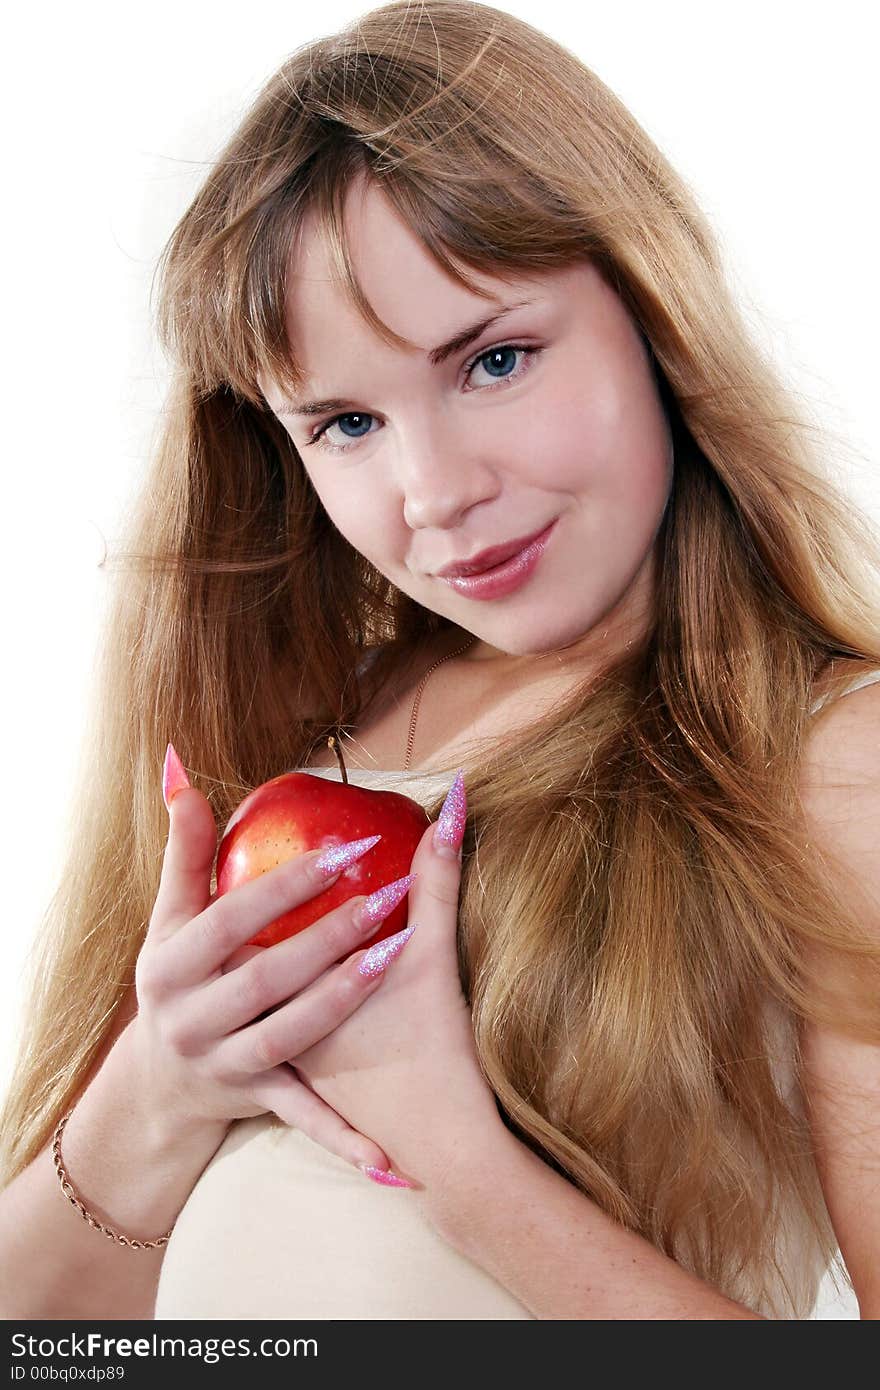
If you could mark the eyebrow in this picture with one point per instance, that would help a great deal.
(438, 355)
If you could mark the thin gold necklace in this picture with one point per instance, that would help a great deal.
(415, 709)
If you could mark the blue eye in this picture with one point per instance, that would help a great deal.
(503, 350)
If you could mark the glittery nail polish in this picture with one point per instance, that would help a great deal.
(174, 777)
(383, 953)
(383, 1176)
(450, 827)
(339, 857)
(382, 903)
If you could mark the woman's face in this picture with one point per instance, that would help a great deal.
(550, 414)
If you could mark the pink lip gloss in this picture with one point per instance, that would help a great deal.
(502, 579)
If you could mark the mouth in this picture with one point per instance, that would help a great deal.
(501, 580)
(488, 559)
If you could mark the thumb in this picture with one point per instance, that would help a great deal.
(185, 883)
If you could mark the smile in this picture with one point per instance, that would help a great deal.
(503, 579)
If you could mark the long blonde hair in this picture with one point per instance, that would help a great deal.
(638, 897)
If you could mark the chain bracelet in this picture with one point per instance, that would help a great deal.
(87, 1216)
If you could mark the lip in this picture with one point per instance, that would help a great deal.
(503, 579)
(488, 559)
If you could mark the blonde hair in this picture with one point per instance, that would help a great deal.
(639, 899)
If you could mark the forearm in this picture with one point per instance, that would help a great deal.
(132, 1171)
(556, 1250)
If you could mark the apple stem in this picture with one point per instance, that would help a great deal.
(332, 743)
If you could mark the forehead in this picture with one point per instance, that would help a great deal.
(405, 285)
(337, 352)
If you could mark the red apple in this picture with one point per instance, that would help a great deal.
(297, 812)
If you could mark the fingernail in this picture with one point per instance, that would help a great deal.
(339, 857)
(382, 903)
(449, 831)
(382, 954)
(174, 777)
(384, 1176)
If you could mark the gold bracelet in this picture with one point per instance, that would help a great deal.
(67, 1189)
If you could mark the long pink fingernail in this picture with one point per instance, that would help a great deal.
(382, 903)
(339, 857)
(174, 777)
(383, 1176)
(383, 953)
(451, 822)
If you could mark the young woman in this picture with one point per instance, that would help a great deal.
(624, 1061)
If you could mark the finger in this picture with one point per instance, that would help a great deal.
(241, 957)
(448, 833)
(297, 1105)
(291, 1029)
(266, 976)
(185, 883)
(434, 896)
(229, 921)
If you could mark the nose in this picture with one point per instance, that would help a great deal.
(441, 473)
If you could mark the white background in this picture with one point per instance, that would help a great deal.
(111, 116)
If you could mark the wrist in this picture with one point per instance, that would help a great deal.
(167, 1126)
(126, 1159)
(457, 1180)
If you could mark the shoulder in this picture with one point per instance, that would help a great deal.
(840, 791)
(841, 749)
(836, 680)
(839, 784)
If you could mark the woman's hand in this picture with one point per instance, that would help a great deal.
(404, 1068)
(199, 1053)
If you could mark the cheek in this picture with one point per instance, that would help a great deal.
(611, 443)
(577, 431)
(338, 493)
(367, 528)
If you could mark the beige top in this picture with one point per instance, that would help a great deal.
(278, 1227)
